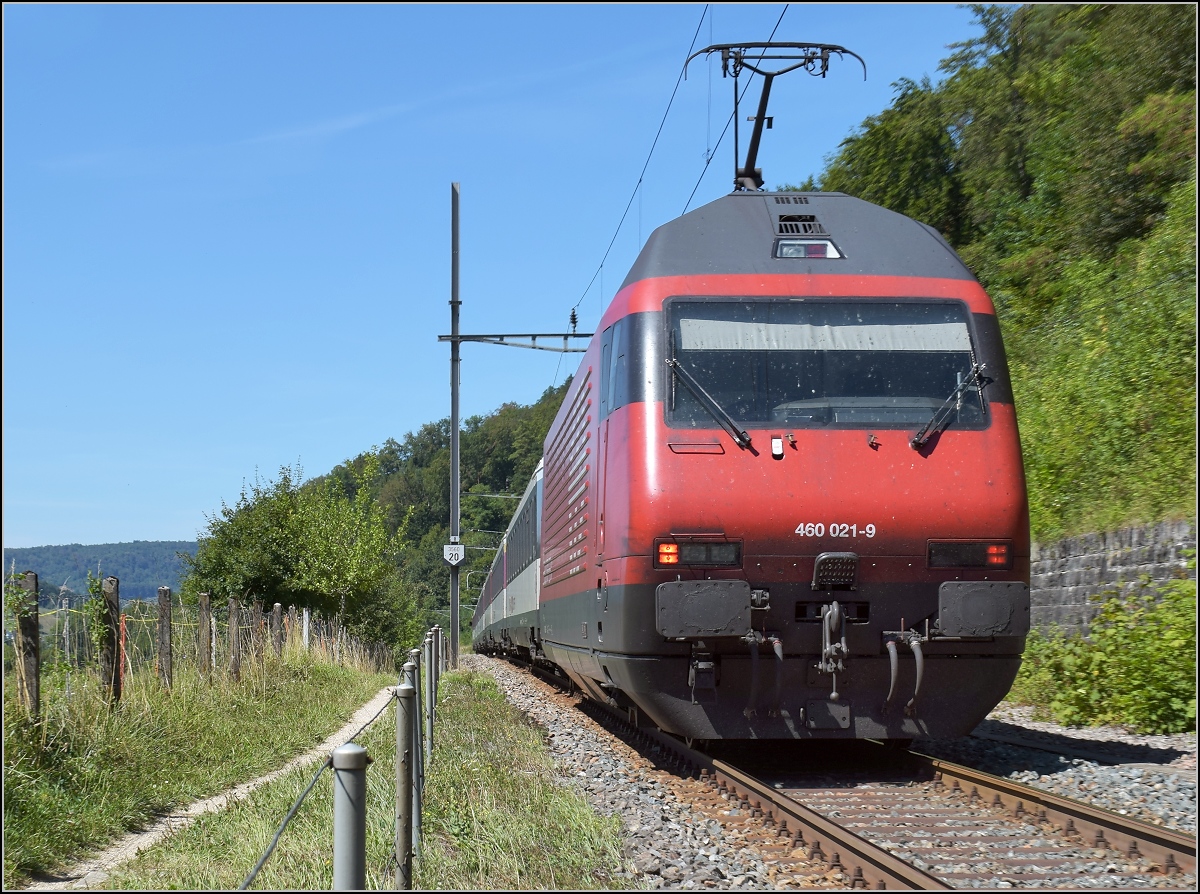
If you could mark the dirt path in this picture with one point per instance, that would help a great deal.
(95, 870)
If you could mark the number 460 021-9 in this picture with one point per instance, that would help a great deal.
(834, 529)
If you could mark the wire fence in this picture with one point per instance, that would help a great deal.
(416, 701)
(110, 643)
(82, 637)
(65, 638)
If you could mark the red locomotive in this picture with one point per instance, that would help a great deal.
(783, 497)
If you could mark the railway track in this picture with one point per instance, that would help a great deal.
(864, 816)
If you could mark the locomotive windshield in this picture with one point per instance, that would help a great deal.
(812, 363)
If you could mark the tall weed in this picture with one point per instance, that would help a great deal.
(1136, 669)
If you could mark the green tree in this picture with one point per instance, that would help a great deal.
(343, 545)
(903, 159)
(1058, 157)
(249, 549)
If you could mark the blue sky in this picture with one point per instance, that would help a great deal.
(227, 228)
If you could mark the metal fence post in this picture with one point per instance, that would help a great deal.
(350, 817)
(430, 696)
(406, 697)
(412, 671)
(437, 647)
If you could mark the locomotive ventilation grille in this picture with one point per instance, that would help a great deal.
(791, 200)
(800, 225)
(567, 477)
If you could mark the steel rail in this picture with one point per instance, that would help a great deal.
(867, 864)
(1174, 851)
(872, 866)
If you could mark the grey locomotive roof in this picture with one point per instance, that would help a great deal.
(737, 233)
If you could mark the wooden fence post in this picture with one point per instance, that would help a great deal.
(110, 657)
(256, 634)
(29, 647)
(164, 636)
(291, 623)
(235, 640)
(204, 634)
(277, 628)
(126, 661)
(66, 630)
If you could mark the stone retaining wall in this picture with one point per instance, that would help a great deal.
(1064, 575)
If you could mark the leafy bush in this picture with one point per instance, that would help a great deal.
(1137, 668)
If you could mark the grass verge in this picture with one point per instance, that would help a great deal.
(86, 774)
(494, 817)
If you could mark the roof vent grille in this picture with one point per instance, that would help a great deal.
(800, 225)
(791, 200)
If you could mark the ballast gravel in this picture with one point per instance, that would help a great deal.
(1147, 778)
(671, 845)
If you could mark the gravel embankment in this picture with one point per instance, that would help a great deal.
(670, 845)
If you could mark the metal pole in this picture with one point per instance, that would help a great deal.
(350, 817)
(437, 678)
(455, 482)
(406, 697)
(413, 677)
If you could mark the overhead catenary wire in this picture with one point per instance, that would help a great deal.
(711, 155)
(650, 155)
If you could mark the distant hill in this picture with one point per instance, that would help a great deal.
(141, 566)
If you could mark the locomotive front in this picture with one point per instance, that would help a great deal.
(807, 514)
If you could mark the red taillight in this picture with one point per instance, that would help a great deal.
(970, 554)
(997, 555)
(699, 553)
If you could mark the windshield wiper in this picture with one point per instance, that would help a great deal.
(715, 409)
(941, 418)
